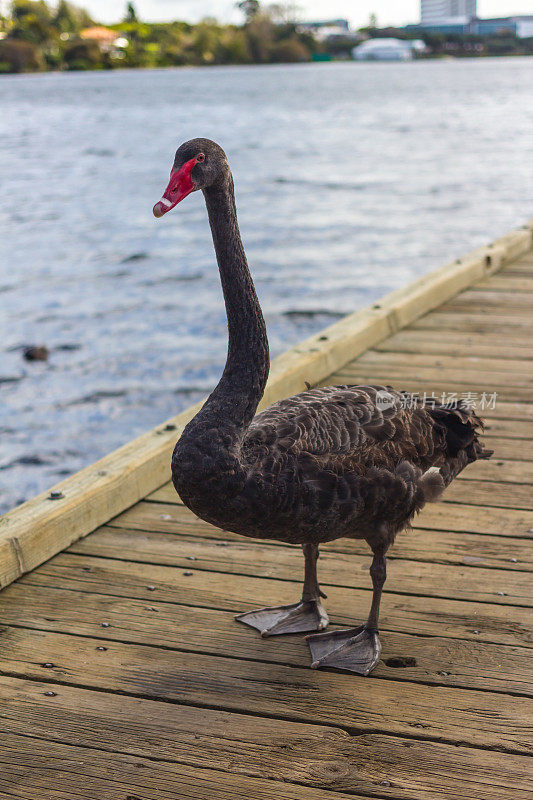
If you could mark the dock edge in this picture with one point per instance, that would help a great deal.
(41, 527)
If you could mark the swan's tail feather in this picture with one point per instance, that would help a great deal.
(461, 428)
(432, 485)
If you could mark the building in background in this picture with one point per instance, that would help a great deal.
(383, 50)
(460, 17)
(440, 12)
(520, 26)
(326, 28)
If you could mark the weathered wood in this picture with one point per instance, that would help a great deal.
(471, 364)
(276, 750)
(522, 266)
(488, 299)
(508, 387)
(449, 342)
(33, 768)
(474, 322)
(430, 578)
(488, 622)
(438, 713)
(437, 660)
(41, 527)
(506, 281)
(419, 544)
(450, 516)
(490, 493)
(498, 469)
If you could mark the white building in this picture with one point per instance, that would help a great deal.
(524, 27)
(383, 50)
(435, 12)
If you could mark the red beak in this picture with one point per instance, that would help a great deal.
(179, 186)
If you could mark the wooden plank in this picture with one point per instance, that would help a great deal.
(470, 322)
(449, 342)
(486, 299)
(508, 386)
(497, 469)
(490, 493)
(513, 429)
(33, 768)
(265, 749)
(39, 528)
(163, 517)
(454, 618)
(510, 587)
(522, 266)
(505, 281)
(437, 660)
(469, 364)
(509, 448)
(465, 716)
(445, 387)
(497, 552)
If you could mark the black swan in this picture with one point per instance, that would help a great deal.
(341, 461)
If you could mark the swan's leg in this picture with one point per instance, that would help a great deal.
(307, 615)
(354, 649)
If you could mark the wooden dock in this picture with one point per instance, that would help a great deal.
(125, 677)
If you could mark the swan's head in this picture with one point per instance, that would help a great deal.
(198, 164)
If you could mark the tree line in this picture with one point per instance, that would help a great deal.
(35, 36)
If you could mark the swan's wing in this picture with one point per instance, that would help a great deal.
(347, 429)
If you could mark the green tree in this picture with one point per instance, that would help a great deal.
(32, 22)
(131, 14)
(260, 33)
(233, 47)
(289, 51)
(19, 56)
(250, 8)
(83, 54)
(66, 20)
(284, 13)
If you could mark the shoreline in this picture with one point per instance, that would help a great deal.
(276, 65)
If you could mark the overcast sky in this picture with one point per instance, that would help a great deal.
(395, 12)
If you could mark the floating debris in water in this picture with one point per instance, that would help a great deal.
(67, 348)
(134, 257)
(36, 353)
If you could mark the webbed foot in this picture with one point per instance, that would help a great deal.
(307, 615)
(354, 650)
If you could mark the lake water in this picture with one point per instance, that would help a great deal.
(352, 179)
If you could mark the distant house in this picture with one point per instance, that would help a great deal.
(383, 50)
(106, 39)
(327, 29)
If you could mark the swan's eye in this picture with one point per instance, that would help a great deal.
(200, 157)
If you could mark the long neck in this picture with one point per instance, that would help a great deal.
(241, 387)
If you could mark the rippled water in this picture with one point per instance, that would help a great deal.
(352, 179)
